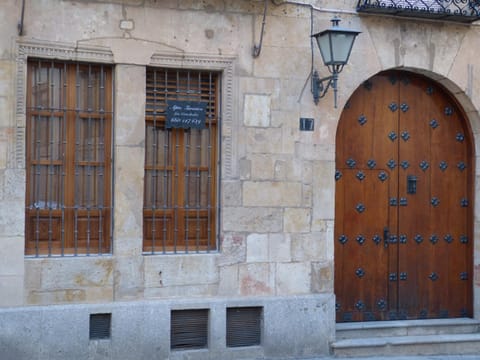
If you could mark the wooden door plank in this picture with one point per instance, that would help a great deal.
(363, 179)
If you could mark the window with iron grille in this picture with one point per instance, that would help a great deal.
(68, 158)
(180, 189)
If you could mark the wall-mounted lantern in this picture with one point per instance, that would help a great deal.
(335, 47)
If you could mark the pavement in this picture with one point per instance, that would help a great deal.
(423, 357)
(393, 357)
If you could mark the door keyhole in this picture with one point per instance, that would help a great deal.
(411, 184)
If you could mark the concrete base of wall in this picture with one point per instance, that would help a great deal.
(297, 326)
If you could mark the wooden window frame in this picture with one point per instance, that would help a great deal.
(69, 226)
(172, 222)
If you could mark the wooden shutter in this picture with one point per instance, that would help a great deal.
(69, 140)
(180, 200)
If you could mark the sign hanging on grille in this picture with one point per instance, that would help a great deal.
(186, 114)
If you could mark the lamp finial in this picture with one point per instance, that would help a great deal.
(335, 21)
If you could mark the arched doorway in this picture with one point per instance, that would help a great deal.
(403, 203)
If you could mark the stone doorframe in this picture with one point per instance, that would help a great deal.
(472, 116)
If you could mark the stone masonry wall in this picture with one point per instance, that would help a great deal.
(277, 185)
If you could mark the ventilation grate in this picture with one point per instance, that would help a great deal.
(244, 326)
(100, 325)
(189, 329)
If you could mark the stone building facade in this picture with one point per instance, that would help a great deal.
(274, 209)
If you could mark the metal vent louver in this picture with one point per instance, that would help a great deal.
(100, 326)
(189, 329)
(244, 326)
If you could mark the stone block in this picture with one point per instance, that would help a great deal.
(286, 31)
(130, 105)
(316, 152)
(50, 297)
(264, 140)
(307, 172)
(253, 219)
(6, 80)
(14, 184)
(245, 7)
(33, 274)
(477, 206)
(273, 62)
(269, 193)
(66, 280)
(8, 24)
(181, 270)
(256, 279)
(256, 111)
(257, 248)
(257, 85)
(245, 169)
(184, 291)
(324, 190)
(293, 278)
(53, 324)
(289, 9)
(262, 167)
(280, 170)
(129, 278)
(288, 170)
(127, 322)
(11, 288)
(99, 294)
(322, 277)
(286, 118)
(12, 256)
(3, 153)
(476, 304)
(12, 218)
(129, 210)
(233, 250)
(307, 191)
(297, 220)
(76, 273)
(155, 344)
(292, 96)
(279, 247)
(311, 327)
(231, 193)
(228, 284)
(21, 333)
(310, 247)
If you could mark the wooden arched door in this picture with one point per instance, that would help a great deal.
(403, 203)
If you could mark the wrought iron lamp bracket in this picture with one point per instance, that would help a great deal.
(320, 86)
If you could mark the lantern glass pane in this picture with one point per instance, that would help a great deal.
(341, 47)
(324, 45)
